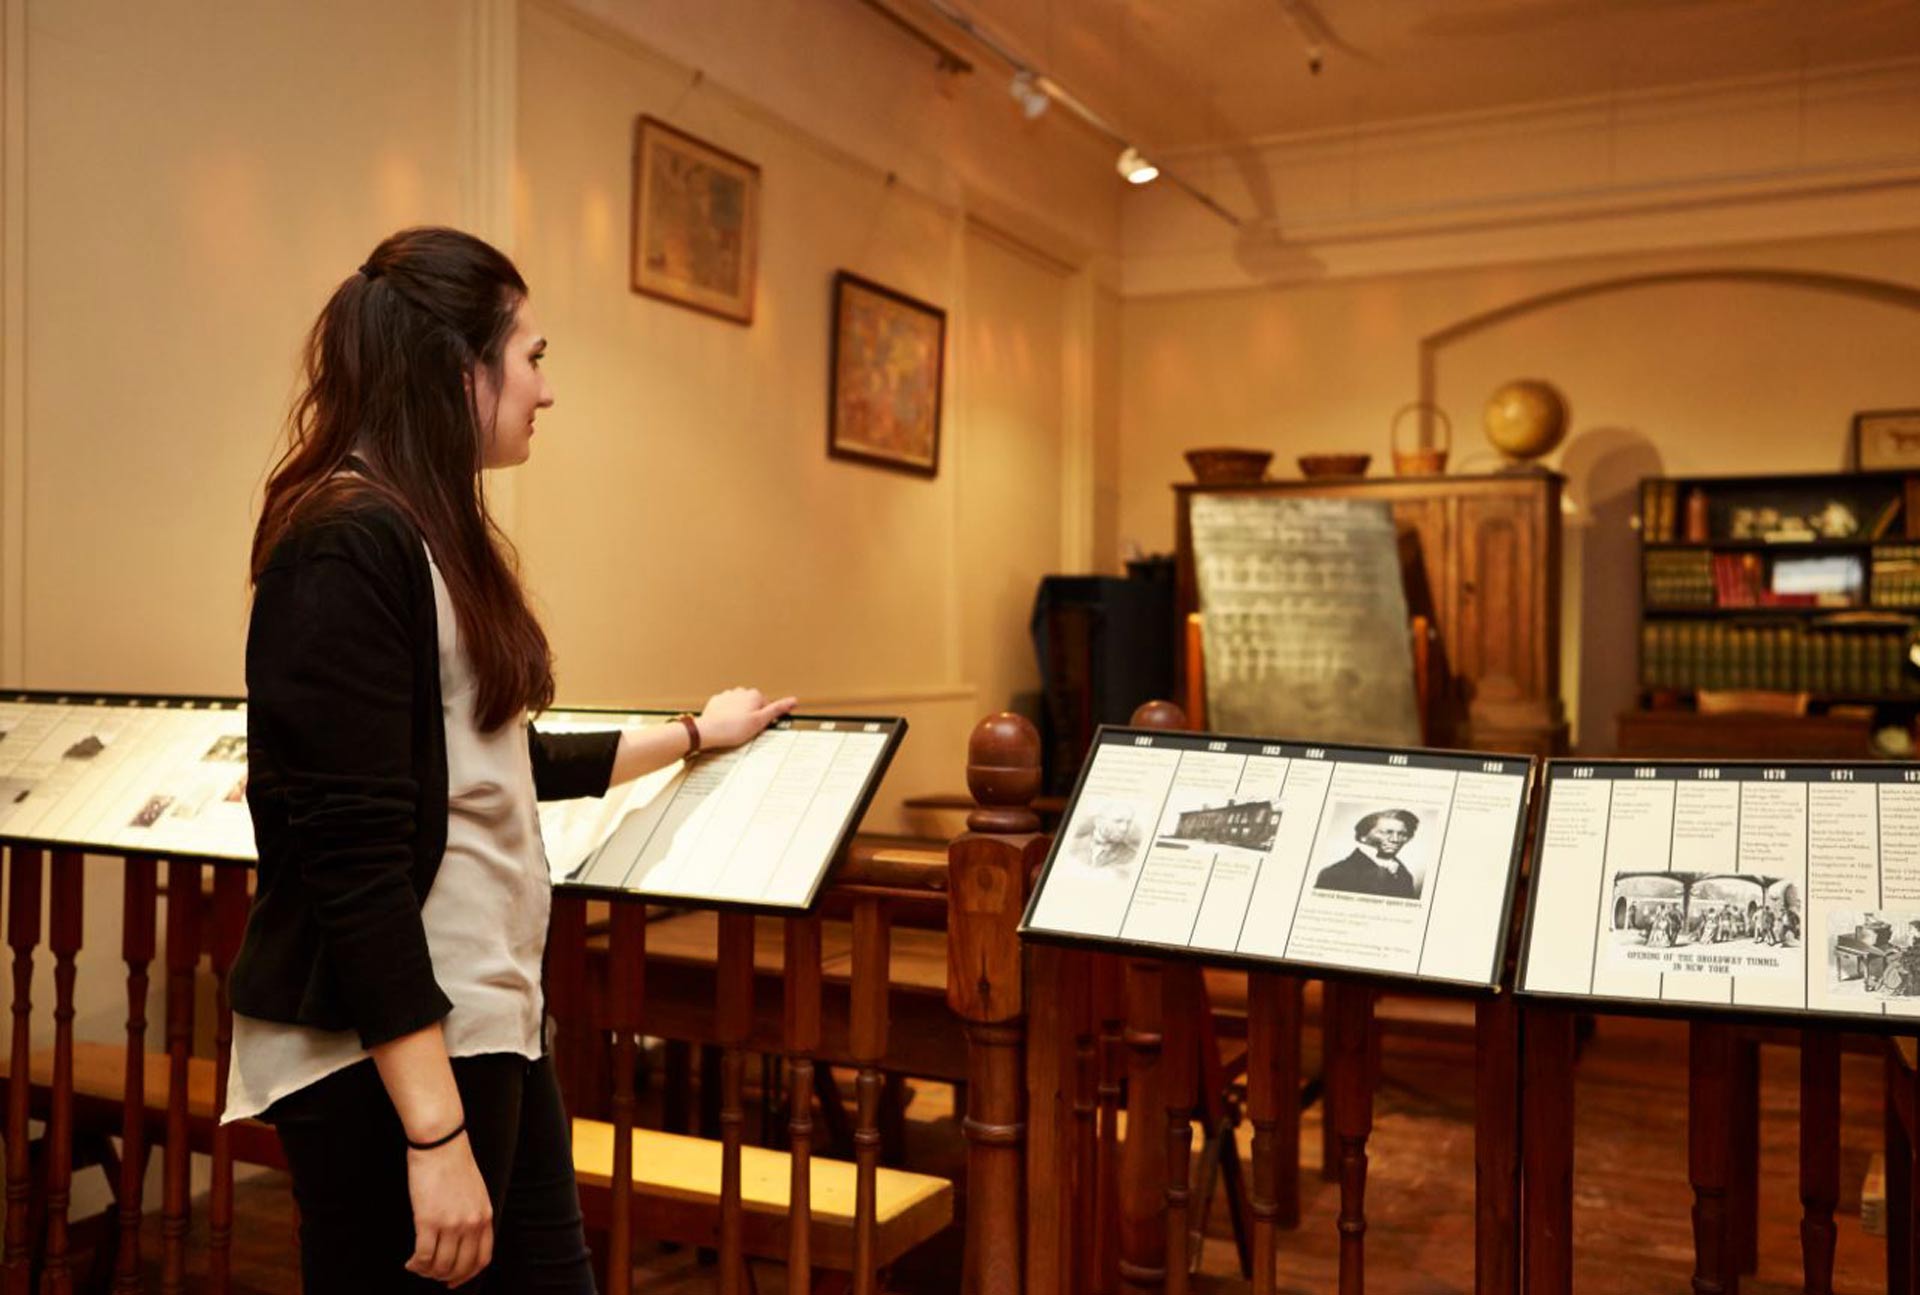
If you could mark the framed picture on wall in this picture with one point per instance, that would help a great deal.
(884, 385)
(1886, 438)
(696, 222)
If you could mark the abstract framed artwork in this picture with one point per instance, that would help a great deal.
(696, 222)
(888, 359)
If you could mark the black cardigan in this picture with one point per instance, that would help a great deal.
(347, 778)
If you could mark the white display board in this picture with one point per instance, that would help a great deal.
(758, 826)
(1391, 863)
(136, 776)
(1748, 888)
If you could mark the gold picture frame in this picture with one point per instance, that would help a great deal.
(885, 376)
(696, 222)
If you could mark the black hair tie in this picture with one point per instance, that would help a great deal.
(371, 270)
(437, 1143)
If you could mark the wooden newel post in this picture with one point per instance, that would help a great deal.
(988, 869)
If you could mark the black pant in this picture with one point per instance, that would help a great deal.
(348, 1155)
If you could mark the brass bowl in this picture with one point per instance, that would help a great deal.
(1334, 465)
(1223, 465)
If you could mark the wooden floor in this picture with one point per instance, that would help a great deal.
(1632, 1233)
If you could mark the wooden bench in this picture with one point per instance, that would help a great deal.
(676, 1197)
(99, 1083)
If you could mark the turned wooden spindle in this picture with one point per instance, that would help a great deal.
(23, 933)
(1349, 1010)
(626, 992)
(867, 1036)
(183, 954)
(1143, 1158)
(1110, 1011)
(1183, 993)
(64, 904)
(1050, 1151)
(1082, 1259)
(988, 867)
(802, 1021)
(1546, 1119)
(1743, 1150)
(734, 1021)
(566, 987)
(138, 904)
(230, 901)
(1819, 1156)
(1267, 1066)
(1496, 1146)
(1710, 1154)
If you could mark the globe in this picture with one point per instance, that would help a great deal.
(1525, 419)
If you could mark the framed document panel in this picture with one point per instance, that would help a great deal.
(1396, 864)
(1733, 888)
(754, 827)
(757, 826)
(150, 775)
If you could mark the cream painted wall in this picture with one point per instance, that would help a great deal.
(1696, 378)
(227, 186)
(681, 521)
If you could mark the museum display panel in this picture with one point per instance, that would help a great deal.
(1392, 863)
(1747, 888)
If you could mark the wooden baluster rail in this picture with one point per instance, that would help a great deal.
(988, 868)
(1820, 1156)
(183, 954)
(1110, 1007)
(1077, 988)
(138, 903)
(626, 971)
(1143, 1160)
(735, 1021)
(872, 971)
(1272, 1067)
(64, 909)
(1546, 1120)
(1349, 1023)
(802, 1020)
(1496, 1146)
(566, 985)
(1056, 1023)
(1183, 993)
(230, 900)
(1710, 1155)
(23, 933)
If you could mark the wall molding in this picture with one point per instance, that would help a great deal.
(1760, 159)
(13, 340)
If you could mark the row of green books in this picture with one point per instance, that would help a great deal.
(1789, 657)
(1679, 577)
(1896, 575)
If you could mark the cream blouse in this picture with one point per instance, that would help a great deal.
(485, 916)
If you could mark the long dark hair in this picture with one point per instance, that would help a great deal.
(388, 373)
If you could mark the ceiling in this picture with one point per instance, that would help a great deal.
(1179, 74)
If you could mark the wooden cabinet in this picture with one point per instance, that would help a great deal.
(1481, 560)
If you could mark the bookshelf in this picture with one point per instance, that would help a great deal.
(1795, 584)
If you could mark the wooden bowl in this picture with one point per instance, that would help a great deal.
(1223, 465)
(1334, 465)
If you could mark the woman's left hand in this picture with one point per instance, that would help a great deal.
(738, 715)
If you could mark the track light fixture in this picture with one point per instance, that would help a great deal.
(1135, 168)
(1029, 94)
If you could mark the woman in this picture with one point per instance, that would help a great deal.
(387, 1004)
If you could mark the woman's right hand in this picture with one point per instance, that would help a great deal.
(738, 715)
(452, 1213)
